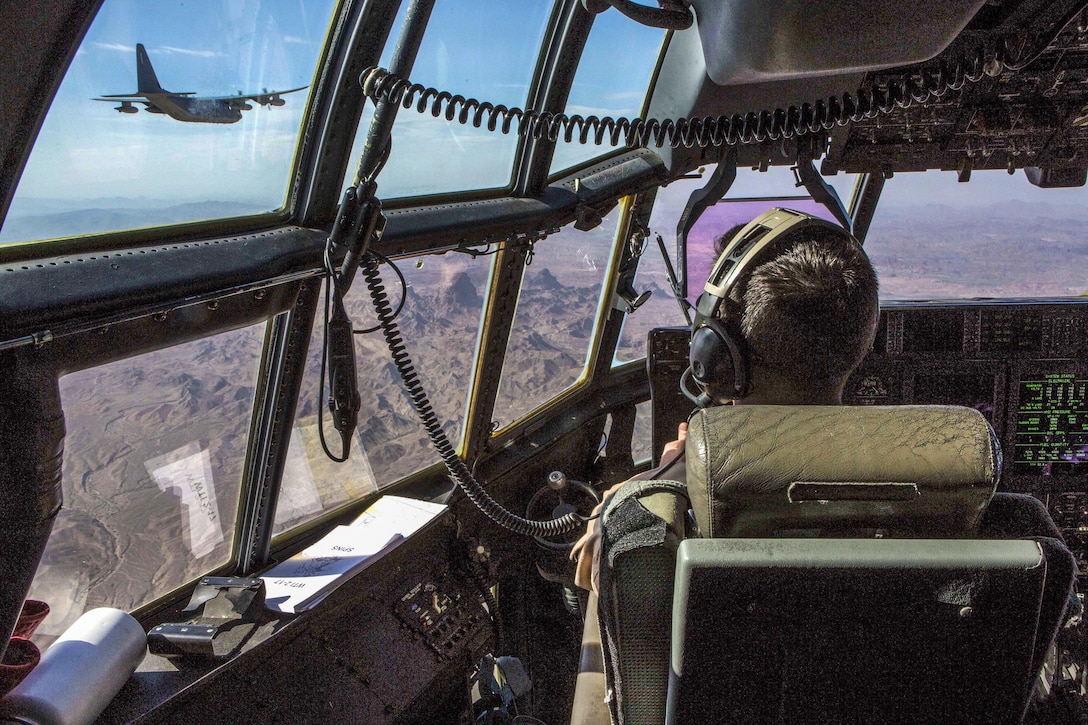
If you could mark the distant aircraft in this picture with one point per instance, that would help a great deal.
(185, 106)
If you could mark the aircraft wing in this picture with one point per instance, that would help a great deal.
(264, 98)
(128, 102)
(139, 96)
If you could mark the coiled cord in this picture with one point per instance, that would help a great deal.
(477, 570)
(748, 128)
(458, 470)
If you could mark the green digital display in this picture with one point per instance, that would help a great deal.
(1052, 426)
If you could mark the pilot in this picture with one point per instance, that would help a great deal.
(805, 314)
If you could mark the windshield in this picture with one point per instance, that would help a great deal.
(486, 50)
(935, 238)
(172, 112)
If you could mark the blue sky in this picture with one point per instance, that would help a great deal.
(487, 49)
(86, 149)
(88, 155)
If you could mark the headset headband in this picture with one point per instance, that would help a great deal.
(745, 248)
(718, 352)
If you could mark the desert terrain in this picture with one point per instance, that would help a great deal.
(156, 444)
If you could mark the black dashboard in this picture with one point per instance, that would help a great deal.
(1024, 366)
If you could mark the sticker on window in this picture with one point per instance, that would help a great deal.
(298, 494)
(187, 473)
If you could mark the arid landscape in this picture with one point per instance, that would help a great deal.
(156, 444)
(1004, 250)
(152, 466)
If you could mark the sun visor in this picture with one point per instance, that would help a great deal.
(751, 41)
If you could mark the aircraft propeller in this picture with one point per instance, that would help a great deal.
(271, 99)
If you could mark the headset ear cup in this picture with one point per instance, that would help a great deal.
(718, 361)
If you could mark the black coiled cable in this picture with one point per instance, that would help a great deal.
(748, 128)
(458, 470)
(477, 570)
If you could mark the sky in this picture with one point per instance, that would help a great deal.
(89, 156)
(86, 149)
(487, 50)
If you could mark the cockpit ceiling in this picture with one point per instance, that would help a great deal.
(747, 41)
(1028, 112)
(1033, 117)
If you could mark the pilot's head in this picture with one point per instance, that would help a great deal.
(802, 311)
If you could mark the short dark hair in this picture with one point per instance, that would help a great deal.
(723, 241)
(810, 312)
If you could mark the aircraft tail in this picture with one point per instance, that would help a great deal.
(145, 74)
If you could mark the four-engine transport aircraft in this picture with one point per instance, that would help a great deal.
(444, 267)
(187, 106)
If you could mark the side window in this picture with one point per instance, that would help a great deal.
(554, 326)
(661, 309)
(935, 238)
(172, 112)
(753, 193)
(152, 471)
(611, 80)
(440, 324)
(485, 49)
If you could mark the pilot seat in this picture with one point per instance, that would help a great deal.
(837, 565)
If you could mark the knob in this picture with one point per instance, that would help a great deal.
(557, 480)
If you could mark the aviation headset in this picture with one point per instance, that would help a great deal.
(718, 359)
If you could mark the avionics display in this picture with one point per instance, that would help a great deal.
(1052, 426)
(933, 331)
(1010, 330)
(969, 389)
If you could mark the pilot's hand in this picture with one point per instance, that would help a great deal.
(587, 550)
(586, 553)
(674, 448)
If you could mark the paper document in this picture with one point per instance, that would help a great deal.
(308, 577)
(403, 516)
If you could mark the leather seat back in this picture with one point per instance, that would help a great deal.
(818, 470)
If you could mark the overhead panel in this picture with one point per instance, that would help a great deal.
(750, 41)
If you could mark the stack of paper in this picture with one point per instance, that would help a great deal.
(309, 576)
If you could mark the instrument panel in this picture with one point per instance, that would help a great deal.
(1023, 367)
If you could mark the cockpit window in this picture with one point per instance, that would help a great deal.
(752, 193)
(172, 112)
(661, 309)
(440, 323)
(612, 77)
(153, 463)
(935, 238)
(554, 330)
(487, 50)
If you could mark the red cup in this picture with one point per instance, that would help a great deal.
(32, 614)
(20, 658)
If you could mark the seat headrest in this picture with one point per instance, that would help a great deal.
(762, 470)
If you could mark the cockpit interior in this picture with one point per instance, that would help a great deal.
(314, 368)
